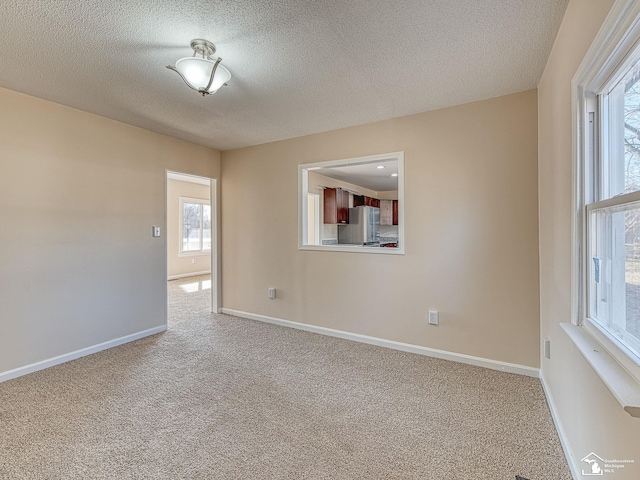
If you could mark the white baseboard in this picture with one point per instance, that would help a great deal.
(185, 275)
(83, 352)
(405, 347)
(568, 453)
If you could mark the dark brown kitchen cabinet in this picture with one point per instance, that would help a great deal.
(336, 206)
(371, 202)
(395, 212)
(360, 200)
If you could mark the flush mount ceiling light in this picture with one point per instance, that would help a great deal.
(202, 74)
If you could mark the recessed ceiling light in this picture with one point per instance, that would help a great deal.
(394, 174)
(380, 166)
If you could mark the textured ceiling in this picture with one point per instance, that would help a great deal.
(298, 67)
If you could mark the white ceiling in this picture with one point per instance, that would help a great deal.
(298, 66)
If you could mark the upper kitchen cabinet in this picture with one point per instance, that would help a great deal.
(336, 206)
(363, 200)
(394, 213)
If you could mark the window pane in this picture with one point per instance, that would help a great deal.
(632, 130)
(206, 225)
(191, 227)
(622, 145)
(614, 273)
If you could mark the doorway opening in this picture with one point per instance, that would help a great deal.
(191, 246)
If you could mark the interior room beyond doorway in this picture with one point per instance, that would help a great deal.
(190, 224)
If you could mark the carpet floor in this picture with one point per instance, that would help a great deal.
(218, 397)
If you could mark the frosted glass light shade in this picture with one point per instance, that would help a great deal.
(197, 72)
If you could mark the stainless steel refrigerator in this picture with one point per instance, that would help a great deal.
(363, 227)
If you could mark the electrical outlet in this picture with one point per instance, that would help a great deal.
(546, 347)
(433, 317)
(271, 293)
(155, 230)
(193, 260)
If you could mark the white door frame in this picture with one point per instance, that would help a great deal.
(216, 254)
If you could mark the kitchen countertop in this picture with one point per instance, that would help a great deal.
(383, 240)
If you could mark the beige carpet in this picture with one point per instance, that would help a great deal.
(217, 397)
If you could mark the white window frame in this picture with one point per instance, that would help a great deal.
(612, 53)
(202, 251)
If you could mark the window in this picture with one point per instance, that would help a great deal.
(195, 226)
(613, 214)
(352, 205)
(608, 190)
(313, 219)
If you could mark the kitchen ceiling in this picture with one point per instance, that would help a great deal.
(372, 175)
(298, 67)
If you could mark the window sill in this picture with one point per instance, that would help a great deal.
(618, 380)
(354, 248)
(197, 253)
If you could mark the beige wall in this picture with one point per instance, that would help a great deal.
(183, 264)
(471, 233)
(78, 196)
(388, 195)
(591, 418)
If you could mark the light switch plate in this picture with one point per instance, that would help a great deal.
(155, 230)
